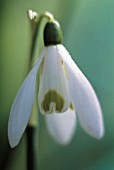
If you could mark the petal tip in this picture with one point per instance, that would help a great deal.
(62, 126)
(63, 141)
(101, 133)
(97, 133)
(13, 138)
(12, 144)
(12, 141)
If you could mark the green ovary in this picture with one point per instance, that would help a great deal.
(52, 102)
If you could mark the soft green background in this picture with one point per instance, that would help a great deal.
(88, 31)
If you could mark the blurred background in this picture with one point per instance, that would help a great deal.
(88, 34)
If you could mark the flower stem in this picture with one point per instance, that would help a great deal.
(31, 162)
(35, 25)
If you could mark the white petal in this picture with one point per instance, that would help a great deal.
(53, 89)
(22, 106)
(83, 97)
(61, 126)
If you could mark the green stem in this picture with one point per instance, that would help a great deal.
(31, 159)
(32, 163)
(46, 15)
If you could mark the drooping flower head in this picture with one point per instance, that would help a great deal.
(63, 91)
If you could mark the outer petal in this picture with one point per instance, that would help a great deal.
(83, 97)
(22, 106)
(61, 126)
(53, 93)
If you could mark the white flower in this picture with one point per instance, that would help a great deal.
(63, 89)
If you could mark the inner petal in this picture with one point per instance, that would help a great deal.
(53, 93)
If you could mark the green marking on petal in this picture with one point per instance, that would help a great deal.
(71, 106)
(52, 102)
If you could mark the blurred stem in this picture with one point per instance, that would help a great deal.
(35, 26)
(35, 20)
(31, 159)
(32, 134)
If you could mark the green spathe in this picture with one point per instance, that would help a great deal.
(52, 101)
(52, 33)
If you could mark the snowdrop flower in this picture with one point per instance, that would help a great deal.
(63, 92)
